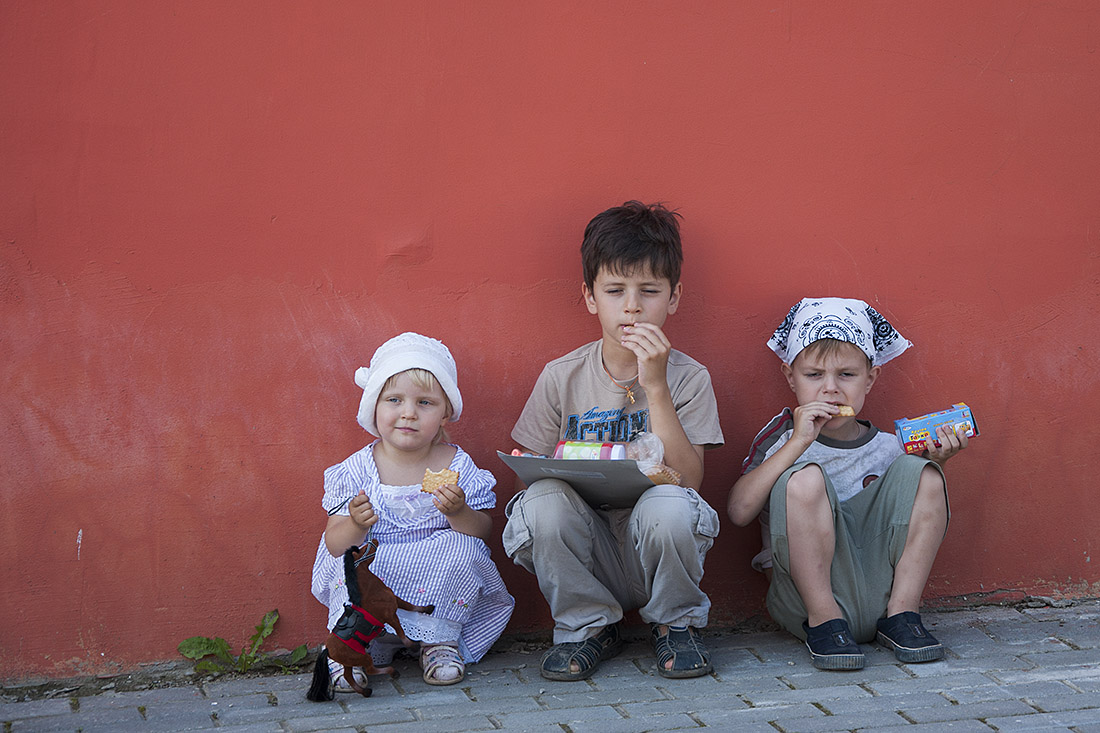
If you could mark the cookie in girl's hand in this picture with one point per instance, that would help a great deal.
(434, 479)
(845, 411)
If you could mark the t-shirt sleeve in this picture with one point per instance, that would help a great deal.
(539, 425)
(697, 410)
(766, 439)
(766, 442)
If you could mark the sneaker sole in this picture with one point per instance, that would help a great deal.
(911, 656)
(837, 661)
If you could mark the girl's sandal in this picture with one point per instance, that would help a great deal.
(442, 664)
(683, 646)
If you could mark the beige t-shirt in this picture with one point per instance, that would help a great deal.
(573, 399)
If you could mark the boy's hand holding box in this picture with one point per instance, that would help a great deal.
(914, 431)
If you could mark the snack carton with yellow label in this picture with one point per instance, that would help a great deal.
(914, 431)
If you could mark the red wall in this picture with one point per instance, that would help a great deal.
(211, 213)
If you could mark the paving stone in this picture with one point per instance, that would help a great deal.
(306, 727)
(505, 689)
(825, 723)
(687, 707)
(271, 726)
(246, 709)
(955, 726)
(637, 725)
(142, 698)
(1062, 659)
(498, 706)
(1039, 635)
(453, 725)
(1075, 675)
(893, 703)
(1088, 684)
(34, 708)
(1041, 721)
(108, 720)
(753, 683)
(812, 678)
(399, 712)
(1072, 701)
(983, 662)
(744, 718)
(959, 638)
(547, 718)
(337, 721)
(975, 711)
(252, 685)
(599, 697)
(815, 694)
(967, 695)
(603, 682)
(939, 683)
(500, 662)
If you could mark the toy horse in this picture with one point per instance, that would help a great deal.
(371, 606)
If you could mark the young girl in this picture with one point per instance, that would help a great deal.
(431, 546)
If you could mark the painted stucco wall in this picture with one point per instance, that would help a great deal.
(211, 213)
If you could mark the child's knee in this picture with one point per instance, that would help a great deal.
(931, 479)
(658, 516)
(806, 486)
(666, 516)
(548, 506)
(931, 491)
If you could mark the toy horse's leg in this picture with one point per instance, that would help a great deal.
(349, 675)
(396, 623)
(406, 606)
(340, 653)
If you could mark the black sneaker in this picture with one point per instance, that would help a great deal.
(905, 634)
(831, 645)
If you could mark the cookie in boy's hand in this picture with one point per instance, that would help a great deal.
(845, 411)
(434, 479)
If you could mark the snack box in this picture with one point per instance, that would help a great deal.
(913, 431)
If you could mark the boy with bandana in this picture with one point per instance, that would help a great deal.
(592, 563)
(850, 523)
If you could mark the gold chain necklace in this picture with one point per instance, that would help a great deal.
(629, 388)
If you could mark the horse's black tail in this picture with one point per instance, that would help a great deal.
(321, 688)
(355, 596)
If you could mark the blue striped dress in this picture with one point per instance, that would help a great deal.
(419, 556)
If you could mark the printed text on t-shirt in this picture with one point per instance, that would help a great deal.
(610, 426)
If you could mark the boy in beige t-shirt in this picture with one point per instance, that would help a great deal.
(594, 563)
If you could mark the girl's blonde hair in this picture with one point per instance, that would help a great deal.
(424, 379)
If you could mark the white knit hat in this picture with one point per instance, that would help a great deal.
(400, 354)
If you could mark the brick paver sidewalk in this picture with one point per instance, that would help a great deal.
(1007, 669)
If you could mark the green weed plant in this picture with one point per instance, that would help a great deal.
(213, 656)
